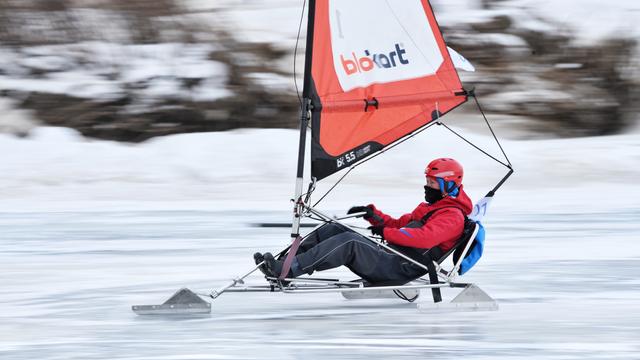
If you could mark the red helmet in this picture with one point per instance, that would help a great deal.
(448, 170)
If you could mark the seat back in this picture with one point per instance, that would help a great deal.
(468, 233)
(461, 256)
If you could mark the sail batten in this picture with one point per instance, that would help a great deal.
(381, 70)
(387, 101)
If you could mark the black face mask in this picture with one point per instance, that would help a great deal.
(432, 195)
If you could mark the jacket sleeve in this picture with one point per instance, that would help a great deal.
(444, 225)
(380, 218)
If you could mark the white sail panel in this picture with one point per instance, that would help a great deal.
(381, 41)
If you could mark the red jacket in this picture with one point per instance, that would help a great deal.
(442, 229)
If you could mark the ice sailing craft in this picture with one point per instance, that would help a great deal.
(376, 73)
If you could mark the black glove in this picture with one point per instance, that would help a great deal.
(377, 230)
(365, 209)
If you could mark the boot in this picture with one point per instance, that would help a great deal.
(273, 266)
(259, 258)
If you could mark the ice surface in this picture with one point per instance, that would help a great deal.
(89, 228)
(567, 288)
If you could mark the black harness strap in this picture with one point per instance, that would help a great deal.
(433, 278)
(427, 260)
(427, 257)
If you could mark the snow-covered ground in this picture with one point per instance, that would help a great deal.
(106, 71)
(589, 19)
(89, 228)
(57, 169)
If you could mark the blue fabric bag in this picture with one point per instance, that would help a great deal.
(475, 253)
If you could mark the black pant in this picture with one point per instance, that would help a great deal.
(333, 245)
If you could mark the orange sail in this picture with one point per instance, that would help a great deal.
(379, 71)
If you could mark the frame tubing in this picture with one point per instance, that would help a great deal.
(453, 273)
(239, 280)
(304, 121)
(373, 288)
(304, 117)
(215, 293)
(334, 289)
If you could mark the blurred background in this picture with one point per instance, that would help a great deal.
(102, 210)
(130, 70)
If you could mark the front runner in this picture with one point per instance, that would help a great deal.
(435, 224)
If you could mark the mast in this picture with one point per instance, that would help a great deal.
(305, 115)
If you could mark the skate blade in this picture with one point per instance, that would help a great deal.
(183, 302)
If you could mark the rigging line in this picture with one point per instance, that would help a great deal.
(475, 146)
(315, 218)
(295, 53)
(491, 129)
(430, 124)
(334, 185)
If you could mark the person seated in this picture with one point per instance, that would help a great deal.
(438, 222)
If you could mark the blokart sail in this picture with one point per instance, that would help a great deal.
(376, 72)
(380, 70)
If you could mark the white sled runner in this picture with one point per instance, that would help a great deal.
(377, 72)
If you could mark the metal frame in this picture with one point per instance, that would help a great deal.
(335, 287)
(301, 208)
(297, 285)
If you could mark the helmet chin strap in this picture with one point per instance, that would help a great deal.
(450, 189)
